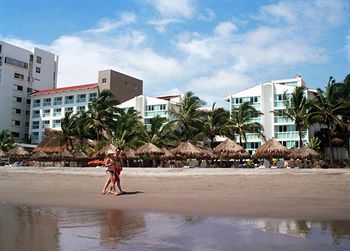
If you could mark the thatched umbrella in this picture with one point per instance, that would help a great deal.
(272, 149)
(18, 153)
(53, 142)
(2, 153)
(129, 154)
(39, 156)
(303, 153)
(210, 154)
(187, 150)
(231, 150)
(102, 153)
(80, 156)
(151, 150)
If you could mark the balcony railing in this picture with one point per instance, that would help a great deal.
(155, 113)
(287, 135)
(281, 119)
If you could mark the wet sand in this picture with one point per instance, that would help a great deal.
(283, 193)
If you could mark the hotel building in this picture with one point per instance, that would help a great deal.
(21, 72)
(49, 106)
(150, 107)
(268, 98)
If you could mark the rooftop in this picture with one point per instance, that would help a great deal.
(65, 89)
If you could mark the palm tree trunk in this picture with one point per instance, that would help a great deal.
(330, 143)
(300, 139)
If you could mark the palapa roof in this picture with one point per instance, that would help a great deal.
(39, 156)
(303, 153)
(130, 154)
(64, 155)
(186, 149)
(53, 142)
(2, 153)
(230, 149)
(167, 154)
(149, 149)
(18, 151)
(272, 149)
(80, 155)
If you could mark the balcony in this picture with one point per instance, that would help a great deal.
(282, 120)
(155, 113)
(288, 135)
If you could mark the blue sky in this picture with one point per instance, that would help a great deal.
(213, 48)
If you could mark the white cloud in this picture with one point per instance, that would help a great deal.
(106, 25)
(225, 28)
(160, 25)
(206, 15)
(174, 9)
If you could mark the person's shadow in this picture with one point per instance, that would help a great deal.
(130, 193)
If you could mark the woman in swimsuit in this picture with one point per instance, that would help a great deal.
(109, 163)
(118, 167)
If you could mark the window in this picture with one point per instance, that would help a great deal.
(18, 76)
(37, 69)
(19, 88)
(36, 103)
(57, 112)
(38, 60)
(0, 61)
(126, 83)
(81, 98)
(104, 80)
(15, 62)
(17, 123)
(56, 123)
(28, 101)
(29, 90)
(69, 99)
(27, 113)
(19, 100)
(46, 113)
(18, 111)
(68, 109)
(35, 135)
(35, 125)
(36, 114)
(80, 109)
(15, 134)
(135, 86)
(47, 102)
(57, 101)
(92, 96)
(46, 123)
(27, 124)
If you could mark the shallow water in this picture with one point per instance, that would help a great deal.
(43, 228)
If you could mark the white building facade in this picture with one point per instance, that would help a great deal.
(21, 72)
(48, 107)
(150, 107)
(268, 98)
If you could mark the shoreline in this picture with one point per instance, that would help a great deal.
(270, 193)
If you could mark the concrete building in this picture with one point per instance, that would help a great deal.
(122, 86)
(150, 107)
(267, 97)
(49, 106)
(21, 72)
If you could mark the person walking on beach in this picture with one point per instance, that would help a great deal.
(118, 167)
(109, 163)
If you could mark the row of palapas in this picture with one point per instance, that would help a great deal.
(52, 149)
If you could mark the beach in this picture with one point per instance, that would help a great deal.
(274, 193)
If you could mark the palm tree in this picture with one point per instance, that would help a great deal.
(160, 133)
(6, 140)
(296, 110)
(69, 125)
(128, 129)
(242, 123)
(217, 122)
(102, 114)
(326, 109)
(189, 117)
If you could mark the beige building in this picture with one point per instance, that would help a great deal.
(122, 86)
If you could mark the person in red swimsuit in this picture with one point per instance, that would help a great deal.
(118, 167)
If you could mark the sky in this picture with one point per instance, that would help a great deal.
(213, 48)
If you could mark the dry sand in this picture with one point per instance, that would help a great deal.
(279, 193)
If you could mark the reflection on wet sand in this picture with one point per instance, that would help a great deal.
(339, 230)
(26, 228)
(120, 226)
